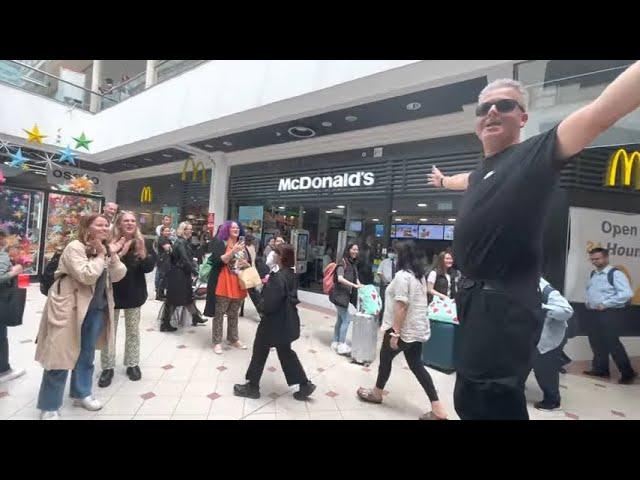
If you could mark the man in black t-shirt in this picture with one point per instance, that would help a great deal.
(498, 241)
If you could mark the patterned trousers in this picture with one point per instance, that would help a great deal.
(231, 307)
(132, 340)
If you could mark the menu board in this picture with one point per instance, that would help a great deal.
(448, 232)
(406, 231)
(380, 230)
(431, 232)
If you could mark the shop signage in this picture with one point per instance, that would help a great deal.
(346, 180)
(629, 160)
(59, 174)
(196, 168)
(146, 195)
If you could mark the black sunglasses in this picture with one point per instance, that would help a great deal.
(504, 105)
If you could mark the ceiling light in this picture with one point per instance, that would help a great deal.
(424, 219)
(278, 134)
(340, 206)
(351, 118)
(328, 211)
(167, 155)
(394, 211)
(422, 204)
(398, 219)
(326, 124)
(227, 143)
(301, 132)
(375, 219)
(451, 219)
(280, 208)
(414, 106)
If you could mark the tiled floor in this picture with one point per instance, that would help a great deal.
(183, 379)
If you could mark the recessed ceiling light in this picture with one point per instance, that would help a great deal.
(301, 132)
(364, 154)
(414, 106)
(208, 145)
(451, 219)
(398, 219)
(328, 211)
(351, 118)
(227, 143)
(375, 219)
(304, 211)
(340, 206)
(167, 155)
(424, 219)
(422, 204)
(278, 134)
(326, 124)
(394, 211)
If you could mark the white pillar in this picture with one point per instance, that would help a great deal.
(151, 77)
(218, 203)
(94, 101)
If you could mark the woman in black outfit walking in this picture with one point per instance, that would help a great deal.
(280, 327)
(179, 280)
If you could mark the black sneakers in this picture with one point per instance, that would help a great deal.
(105, 378)
(134, 373)
(547, 405)
(248, 390)
(304, 392)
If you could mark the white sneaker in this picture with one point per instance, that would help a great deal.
(334, 346)
(49, 415)
(11, 374)
(217, 348)
(88, 403)
(344, 349)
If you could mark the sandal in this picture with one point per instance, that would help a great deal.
(239, 345)
(431, 416)
(367, 395)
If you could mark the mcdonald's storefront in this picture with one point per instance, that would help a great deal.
(184, 196)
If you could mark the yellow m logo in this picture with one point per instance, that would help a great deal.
(146, 195)
(627, 168)
(196, 167)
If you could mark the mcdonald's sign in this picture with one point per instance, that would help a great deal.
(146, 195)
(196, 167)
(629, 161)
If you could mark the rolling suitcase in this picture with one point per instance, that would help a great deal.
(439, 351)
(364, 337)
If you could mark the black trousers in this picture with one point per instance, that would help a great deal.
(4, 349)
(496, 344)
(291, 366)
(413, 355)
(546, 368)
(602, 330)
(255, 297)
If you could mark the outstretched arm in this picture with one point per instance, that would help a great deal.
(454, 182)
(579, 129)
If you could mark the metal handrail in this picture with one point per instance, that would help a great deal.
(571, 77)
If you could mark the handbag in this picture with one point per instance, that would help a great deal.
(12, 302)
(443, 310)
(249, 278)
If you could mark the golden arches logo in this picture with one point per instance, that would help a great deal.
(627, 168)
(195, 167)
(146, 195)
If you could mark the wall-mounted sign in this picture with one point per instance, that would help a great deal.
(61, 174)
(629, 160)
(146, 195)
(346, 180)
(196, 168)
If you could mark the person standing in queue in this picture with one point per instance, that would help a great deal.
(498, 241)
(345, 292)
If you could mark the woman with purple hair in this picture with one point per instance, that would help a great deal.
(224, 294)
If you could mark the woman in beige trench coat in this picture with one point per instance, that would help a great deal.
(78, 316)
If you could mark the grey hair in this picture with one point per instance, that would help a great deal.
(507, 83)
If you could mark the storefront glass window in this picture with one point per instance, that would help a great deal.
(21, 217)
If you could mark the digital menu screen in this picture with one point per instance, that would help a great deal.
(448, 232)
(431, 232)
(380, 229)
(406, 231)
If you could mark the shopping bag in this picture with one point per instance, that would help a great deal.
(370, 300)
(443, 310)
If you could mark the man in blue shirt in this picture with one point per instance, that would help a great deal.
(608, 293)
(548, 360)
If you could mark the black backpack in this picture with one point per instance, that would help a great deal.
(610, 279)
(46, 278)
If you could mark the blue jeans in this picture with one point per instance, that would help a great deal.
(342, 325)
(54, 381)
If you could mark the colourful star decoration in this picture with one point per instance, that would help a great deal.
(17, 160)
(66, 155)
(35, 135)
(82, 142)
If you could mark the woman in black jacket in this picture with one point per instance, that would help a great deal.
(179, 280)
(129, 294)
(280, 327)
(345, 291)
(442, 281)
(163, 262)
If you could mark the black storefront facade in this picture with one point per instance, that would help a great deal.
(400, 186)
